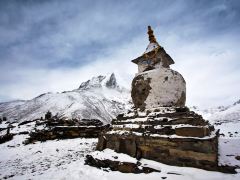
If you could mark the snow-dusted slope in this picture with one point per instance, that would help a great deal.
(221, 114)
(64, 159)
(225, 118)
(229, 114)
(99, 98)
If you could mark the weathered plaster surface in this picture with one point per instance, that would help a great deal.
(167, 88)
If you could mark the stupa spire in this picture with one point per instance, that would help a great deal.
(151, 36)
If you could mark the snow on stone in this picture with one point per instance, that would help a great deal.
(151, 47)
(142, 113)
(132, 126)
(212, 135)
(175, 126)
(163, 110)
(126, 132)
(131, 114)
(136, 120)
(110, 154)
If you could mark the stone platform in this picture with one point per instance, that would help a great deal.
(55, 128)
(174, 136)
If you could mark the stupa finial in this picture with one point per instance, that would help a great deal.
(151, 36)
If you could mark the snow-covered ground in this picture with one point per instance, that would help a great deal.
(225, 118)
(64, 159)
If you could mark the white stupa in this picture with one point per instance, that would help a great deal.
(156, 84)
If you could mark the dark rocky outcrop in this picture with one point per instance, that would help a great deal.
(6, 137)
(112, 82)
(48, 115)
(124, 167)
(237, 158)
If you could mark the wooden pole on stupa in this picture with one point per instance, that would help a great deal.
(151, 36)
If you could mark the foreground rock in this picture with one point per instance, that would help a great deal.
(124, 167)
(6, 137)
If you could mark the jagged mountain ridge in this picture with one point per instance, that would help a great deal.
(99, 82)
(98, 98)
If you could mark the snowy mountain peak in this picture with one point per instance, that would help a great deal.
(98, 98)
(95, 82)
(100, 81)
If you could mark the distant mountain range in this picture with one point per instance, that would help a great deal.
(225, 118)
(98, 98)
(221, 114)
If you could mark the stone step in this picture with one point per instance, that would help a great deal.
(163, 121)
(187, 131)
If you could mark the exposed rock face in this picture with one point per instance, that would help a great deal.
(112, 82)
(158, 87)
(95, 82)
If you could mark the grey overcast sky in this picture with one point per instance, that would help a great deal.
(54, 45)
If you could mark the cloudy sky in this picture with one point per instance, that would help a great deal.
(52, 46)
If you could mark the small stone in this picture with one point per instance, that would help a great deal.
(237, 158)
